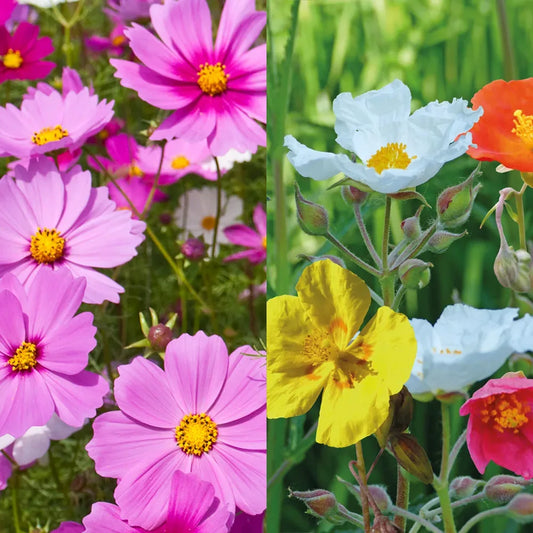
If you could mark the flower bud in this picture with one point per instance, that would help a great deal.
(321, 503)
(313, 218)
(527, 177)
(159, 336)
(193, 249)
(411, 456)
(454, 204)
(440, 241)
(513, 268)
(411, 225)
(520, 508)
(353, 195)
(463, 487)
(380, 497)
(502, 489)
(382, 524)
(414, 273)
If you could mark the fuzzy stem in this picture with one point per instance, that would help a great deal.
(402, 499)
(386, 232)
(359, 262)
(403, 513)
(519, 198)
(481, 516)
(362, 480)
(366, 237)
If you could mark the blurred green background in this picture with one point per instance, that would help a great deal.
(441, 49)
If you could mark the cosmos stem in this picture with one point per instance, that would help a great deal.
(219, 207)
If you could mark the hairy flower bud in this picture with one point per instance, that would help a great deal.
(440, 241)
(411, 225)
(414, 273)
(313, 218)
(454, 204)
(159, 336)
(520, 508)
(353, 195)
(513, 268)
(321, 503)
(463, 487)
(193, 249)
(412, 456)
(502, 489)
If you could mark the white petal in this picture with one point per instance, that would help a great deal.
(32, 445)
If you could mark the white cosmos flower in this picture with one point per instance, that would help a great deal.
(464, 346)
(397, 150)
(44, 3)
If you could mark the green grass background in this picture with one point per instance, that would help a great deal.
(441, 49)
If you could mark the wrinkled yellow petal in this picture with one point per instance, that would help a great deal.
(348, 415)
(390, 347)
(293, 381)
(328, 292)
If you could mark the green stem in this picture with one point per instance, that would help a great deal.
(151, 194)
(387, 290)
(362, 477)
(359, 262)
(414, 248)
(509, 64)
(219, 207)
(14, 499)
(446, 429)
(366, 237)
(455, 451)
(481, 516)
(386, 232)
(57, 480)
(398, 298)
(403, 513)
(402, 499)
(519, 197)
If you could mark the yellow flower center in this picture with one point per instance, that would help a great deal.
(134, 170)
(179, 162)
(212, 79)
(523, 127)
(208, 223)
(264, 242)
(393, 155)
(505, 411)
(47, 135)
(47, 245)
(118, 40)
(12, 59)
(196, 434)
(25, 357)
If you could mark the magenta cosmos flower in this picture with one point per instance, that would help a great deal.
(52, 220)
(44, 350)
(21, 54)
(193, 508)
(217, 92)
(48, 122)
(500, 427)
(255, 241)
(205, 414)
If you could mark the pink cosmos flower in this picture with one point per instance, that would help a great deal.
(69, 527)
(217, 92)
(70, 82)
(254, 240)
(115, 44)
(193, 507)
(44, 350)
(245, 523)
(6, 9)
(21, 53)
(50, 122)
(500, 427)
(126, 10)
(54, 220)
(205, 414)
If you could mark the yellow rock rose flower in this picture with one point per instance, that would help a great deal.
(311, 348)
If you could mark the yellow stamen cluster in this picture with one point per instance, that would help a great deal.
(264, 242)
(179, 162)
(523, 127)
(393, 155)
(505, 411)
(25, 357)
(212, 79)
(118, 40)
(208, 223)
(47, 245)
(12, 59)
(47, 135)
(196, 434)
(134, 170)
(318, 347)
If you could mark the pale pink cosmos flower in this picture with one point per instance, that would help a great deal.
(254, 240)
(48, 122)
(216, 92)
(44, 350)
(51, 220)
(192, 508)
(127, 10)
(115, 44)
(203, 414)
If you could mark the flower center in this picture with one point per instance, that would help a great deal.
(25, 357)
(212, 79)
(47, 135)
(47, 245)
(118, 40)
(393, 155)
(134, 170)
(208, 223)
(505, 411)
(523, 127)
(196, 434)
(264, 242)
(12, 59)
(179, 162)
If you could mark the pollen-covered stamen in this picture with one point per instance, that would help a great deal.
(179, 162)
(208, 223)
(47, 135)
(212, 79)
(318, 347)
(25, 357)
(505, 411)
(118, 40)
(134, 170)
(12, 59)
(264, 242)
(393, 155)
(47, 245)
(196, 434)
(523, 127)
